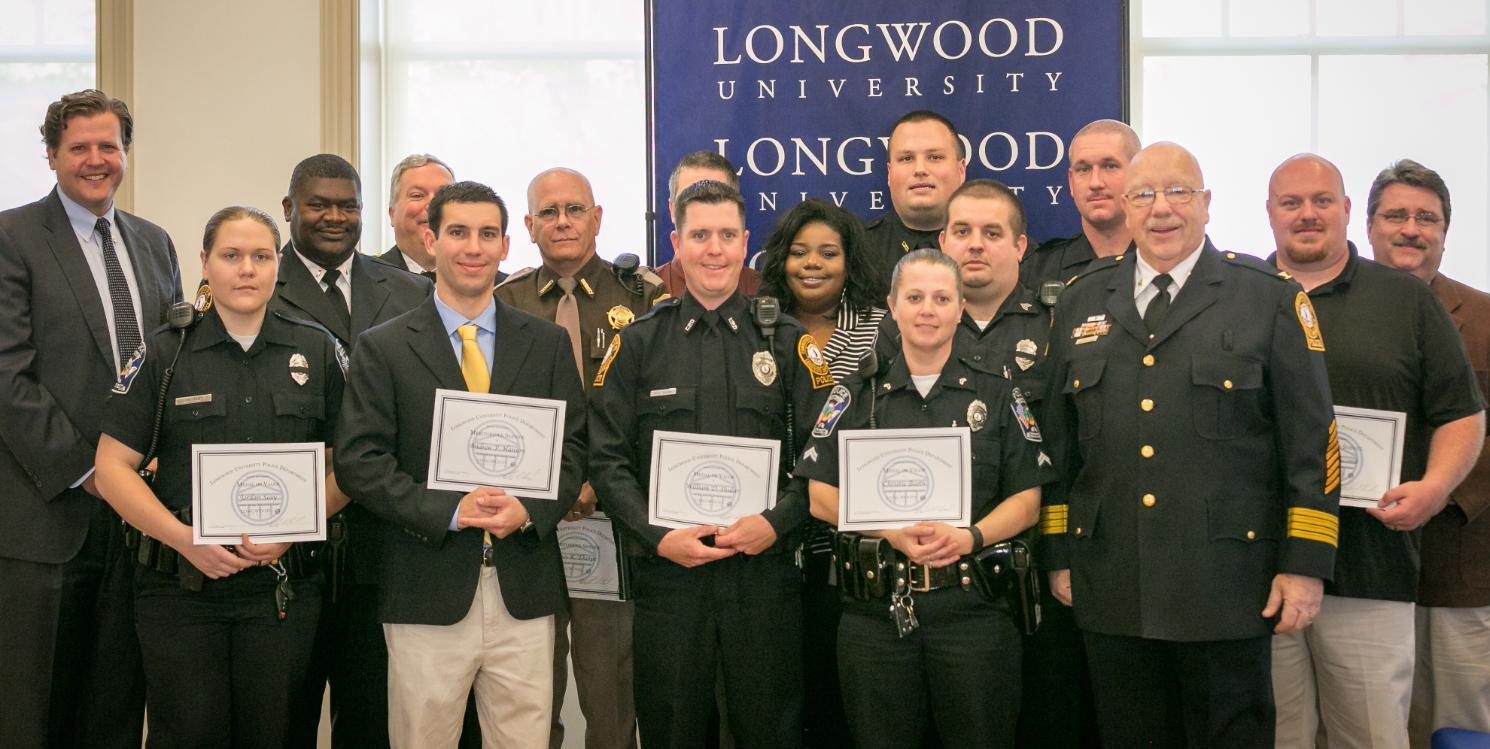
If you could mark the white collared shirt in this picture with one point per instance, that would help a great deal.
(1144, 290)
(343, 282)
(84, 226)
(409, 263)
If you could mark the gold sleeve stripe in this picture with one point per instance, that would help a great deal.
(1332, 459)
(1310, 536)
(1053, 519)
(1313, 525)
(1318, 516)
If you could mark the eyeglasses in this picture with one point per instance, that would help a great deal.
(1172, 195)
(1398, 217)
(550, 214)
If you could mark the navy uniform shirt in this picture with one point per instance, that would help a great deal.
(1390, 346)
(1196, 461)
(285, 388)
(1060, 260)
(887, 239)
(657, 377)
(1006, 441)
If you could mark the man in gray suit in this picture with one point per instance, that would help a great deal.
(324, 279)
(82, 285)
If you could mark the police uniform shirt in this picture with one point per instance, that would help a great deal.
(654, 378)
(606, 304)
(887, 239)
(1006, 441)
(286, 387)
(1059, 260)
(1194, 460)
(1391, 346)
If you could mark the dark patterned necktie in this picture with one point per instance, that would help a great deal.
(1158, 309)
(333, 292)
(126, 327)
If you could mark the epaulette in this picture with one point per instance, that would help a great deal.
(524, 273)
(342, 360)
(1097, 266)
(667, 303)
(1050, 245)
(1243, 260)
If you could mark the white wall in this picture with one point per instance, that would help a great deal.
(226, 101)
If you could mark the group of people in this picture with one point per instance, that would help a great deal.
(1152, 421)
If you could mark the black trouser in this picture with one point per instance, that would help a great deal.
(69, 660)
(221, 667)
(825, 724)
(1200, 695)
(1058, 712)
(960, 670)
(739, 617)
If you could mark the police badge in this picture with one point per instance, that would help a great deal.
(763, 364)
(977, 415)
(619, 316)
(299, 369)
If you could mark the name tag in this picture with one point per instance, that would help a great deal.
(664, 391)
(187, 400)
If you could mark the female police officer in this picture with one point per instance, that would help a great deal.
(955, 653)
(221, 655)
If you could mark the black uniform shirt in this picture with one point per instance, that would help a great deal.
(1006, 453)
(1389, 345)
(605, 303)
(887, 239)
(657, 376)
(285, 388)
(1060, 260)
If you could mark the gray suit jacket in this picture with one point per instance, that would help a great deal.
(57, 366)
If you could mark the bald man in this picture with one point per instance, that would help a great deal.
(1391, 346)
(1188, 413)
(578, 290)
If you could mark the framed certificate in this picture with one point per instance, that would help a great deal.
(593, 564)
(891, 478)
(710, 479)
(1370, 453)
(503, 441)
(274, 493)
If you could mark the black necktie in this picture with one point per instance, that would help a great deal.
(714, 415)
(126, 327)
(428, 274)
(339, 302)
(1158, 309)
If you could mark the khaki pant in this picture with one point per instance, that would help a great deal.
(431, 670)
(1347, 678)
(1451, 688)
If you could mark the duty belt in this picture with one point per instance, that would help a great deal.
(154, 554)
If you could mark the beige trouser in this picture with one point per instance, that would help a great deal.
(1451, 688)
(431, 670)
(1347, 678)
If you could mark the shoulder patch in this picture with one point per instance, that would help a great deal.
(130, 371)
(1252, 262)
(833, 408)
(1024, 416)
(524, 273)
(203, 302)
(610, 356)
(812, 358)
(1308, 321)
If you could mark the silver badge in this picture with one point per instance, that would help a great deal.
(977, 415)
(1024, 362)
(299, 369)
(300, 378)
(298, 360)
(1027, 347)
(764, 367)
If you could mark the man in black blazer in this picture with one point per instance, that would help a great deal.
(484, 567)
(324, 210)
(82, 283)
(415, 181)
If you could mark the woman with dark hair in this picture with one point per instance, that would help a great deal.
(815, 263)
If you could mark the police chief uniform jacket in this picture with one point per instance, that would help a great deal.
(651, 381)
(1197, 463)
(57, 366)
(1456, 541)
(379, 293)
(382, 459)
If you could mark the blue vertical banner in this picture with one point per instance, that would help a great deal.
(800, 95)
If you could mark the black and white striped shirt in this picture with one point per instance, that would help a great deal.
(852, 339)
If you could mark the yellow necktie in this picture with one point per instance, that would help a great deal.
(478, 380)
(472, 363)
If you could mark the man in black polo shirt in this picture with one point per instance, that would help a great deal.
(1099, 156)
(1389, 346)
(925, 163)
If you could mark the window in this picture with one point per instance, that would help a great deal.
(1247, 83)
(46, 50)
(502, 91)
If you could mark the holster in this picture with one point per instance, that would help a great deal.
(864, 564)
(1008, 569)
(153, 554)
